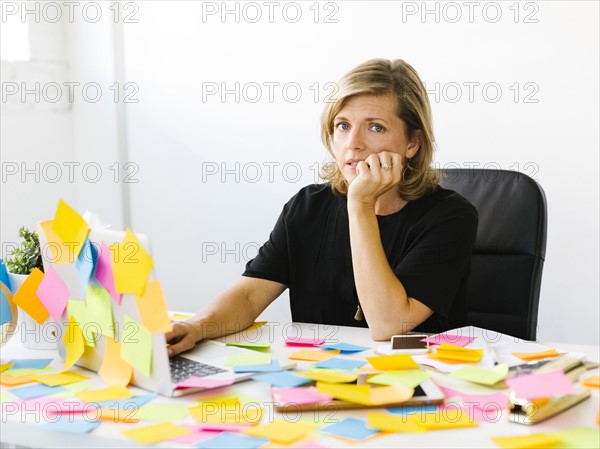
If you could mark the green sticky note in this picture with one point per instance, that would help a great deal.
(4, 397)
(136, 345)
(72, 389)
(28, 371)
(485, 376)
(409, 378)
(163, 412)
(78, 310)
(247, 359)
(579, 437)
(254, 346)
(99, 309)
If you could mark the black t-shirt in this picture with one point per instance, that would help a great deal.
(428, 244)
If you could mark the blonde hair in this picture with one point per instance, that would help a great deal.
(383, 77)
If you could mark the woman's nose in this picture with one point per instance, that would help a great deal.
(355, 140)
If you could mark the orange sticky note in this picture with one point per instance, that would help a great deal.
(393, 362)
(105, 394)
(132, 265)
(527, 356)
(313, 355)
(452, 353)
(7, 379)
(26, 297)
(156, 433)
(153, 308)
(115, 370)
(70, 227)
(58, 253)
(593, 381)
(73, 340)
(281, 431)
(116, 414)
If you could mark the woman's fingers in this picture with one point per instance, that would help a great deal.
(182, 338)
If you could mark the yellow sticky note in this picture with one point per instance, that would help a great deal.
(70, 227)
(534, 440)
(11, 381)
(256, 325)
(78, 310)
(181, 316)
(280, 431)
(392, 394)
(313, 355)
(409, 378)
(29, 371)
(99, 309)
(527, 356)
(73, 340)
(452, 353)
(329, 376)
(156, 433)
(26, 297)
(393, 362)
(387, 422)
(153, 308)
(444, 419)
(132, 265)
(116, 414)
(593, 381)
(105, 394)
(115, 370)
(358, 394)
(5, 366)
(60, 253)
(52, 380)
(136, 346)
(484, 376)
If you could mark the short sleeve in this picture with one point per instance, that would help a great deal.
(440, 257)
(271, 262)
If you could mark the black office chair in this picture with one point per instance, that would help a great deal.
(503, 290)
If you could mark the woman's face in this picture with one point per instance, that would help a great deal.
(368, 124)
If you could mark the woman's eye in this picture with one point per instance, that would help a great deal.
(343, 126)
(377, 128)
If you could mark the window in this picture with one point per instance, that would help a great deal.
(14, 40)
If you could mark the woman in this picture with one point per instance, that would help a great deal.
(380, 244)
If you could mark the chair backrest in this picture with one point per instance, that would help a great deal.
(503, 290)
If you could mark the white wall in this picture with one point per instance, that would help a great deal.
(204, 227)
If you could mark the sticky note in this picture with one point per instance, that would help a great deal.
(282, 379)
(593, 381)
(269, 367)
(60, 253)
(228, 413)
(280, 431)
(78, 310)
(85, 264)
(409, 378)
(247, 359)
(99, 308)
(156, 433)
(181, 316)
(352, 428)
(313, 355)
(453, 339)
(163, 412)
(346, 347)
(7, 379)
(393, 362)
(53, 293)
(29, 363)
(484, 376)
(67, 424)
(104, 272)
(197, 436)
(578, 437)
(35, 391)
(202, 382)
(153, 308)
(6, 296)
(391, 423)
(29, 371)
(329, 376)
(53, 380)
(534, 440)
(132, 265)
(256, 325)
(26, 297)
(250, 345)
(366, 395)
(70, 227)
(134, 402)
(495, 400)
(449, 418)
(73, 341)
(341, 364)
(542, 385)
(452, 353)
(528, 356)
(5, 366)
(299, 395)
(114, 370)
(228, 440)
(104, 394)
(136, 346)
(299, 341)
(115, 414)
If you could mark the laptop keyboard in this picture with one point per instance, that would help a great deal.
(182, 368)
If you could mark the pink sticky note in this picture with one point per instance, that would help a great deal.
(299, 395)
(196, 437)
(55, 406)
(453, 339)
(217, 427)
(201, 382)
(53, 293)
(290, 341)
(482, 401)
(543, 385)
(104, 272)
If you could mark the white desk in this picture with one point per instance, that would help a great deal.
(23, 431)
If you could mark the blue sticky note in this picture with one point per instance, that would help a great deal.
(339, 363)
(355, 429)
(128, 403)
(68, 423)
(5, 312)
(273, 366)
(409, 410)
(35, 391)
(346, 347)
(283, 379)
(29, 363)
(85, 264)
(228, 440)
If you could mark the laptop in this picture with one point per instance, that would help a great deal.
(206, 360)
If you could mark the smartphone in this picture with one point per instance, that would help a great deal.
(405, 344)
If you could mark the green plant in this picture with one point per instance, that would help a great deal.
(24, 259)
